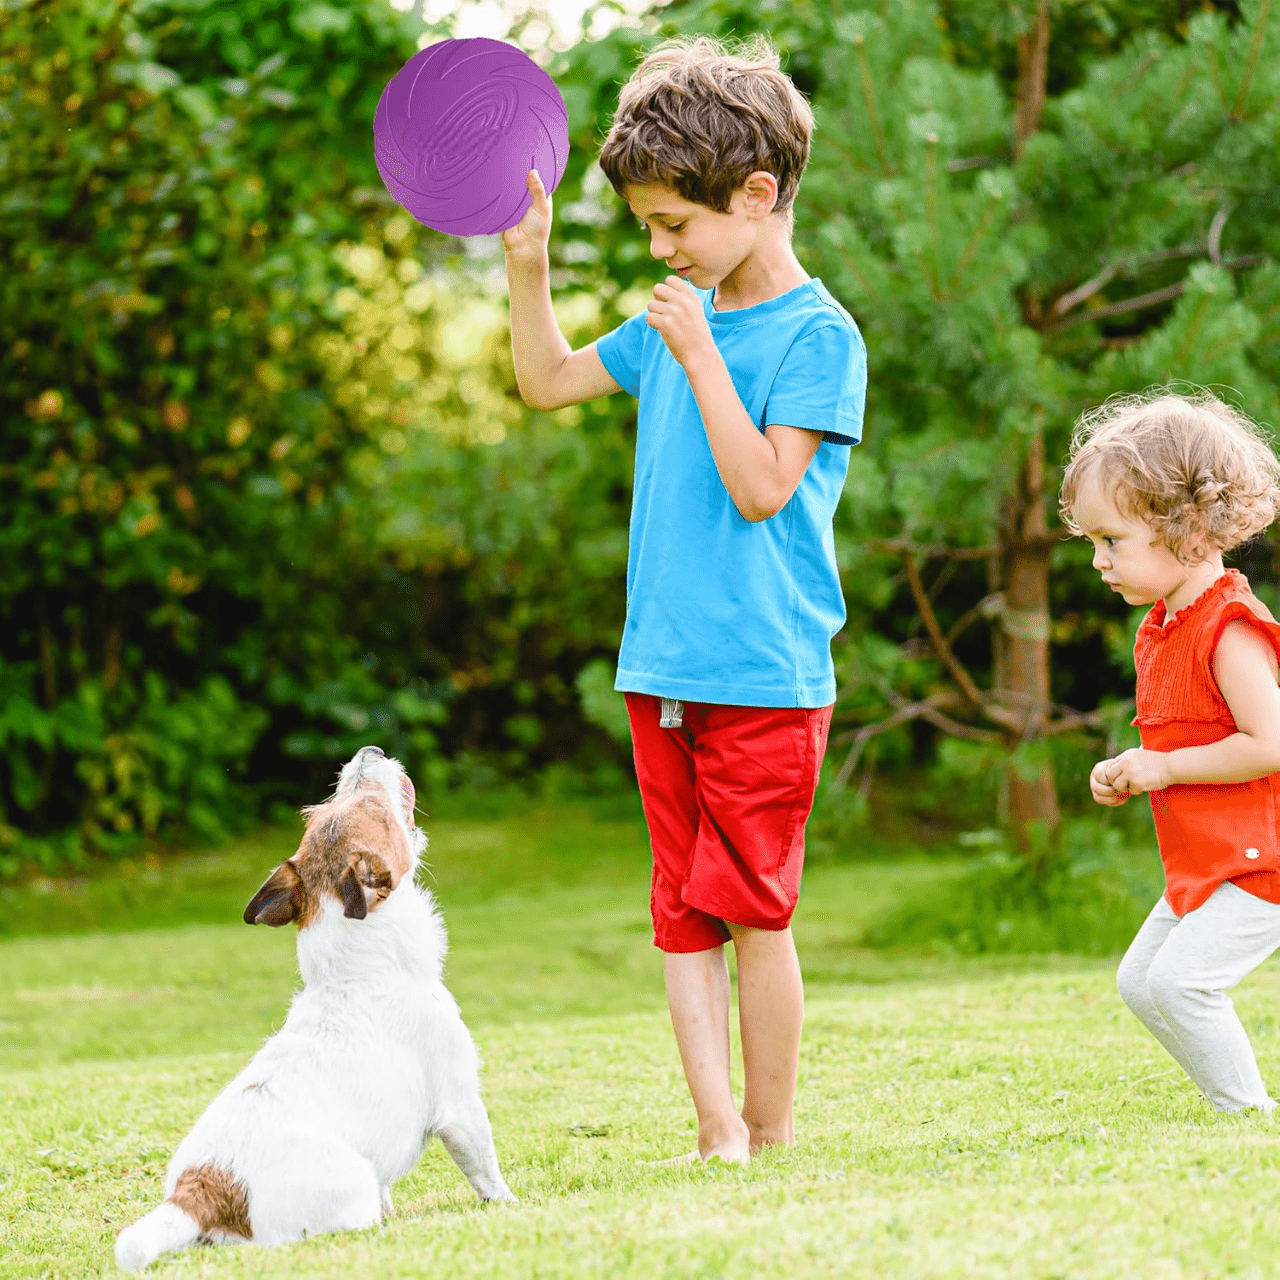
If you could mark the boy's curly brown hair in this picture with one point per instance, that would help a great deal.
(1191, 467)
(700, 116)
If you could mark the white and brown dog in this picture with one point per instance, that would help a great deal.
(372, 1060)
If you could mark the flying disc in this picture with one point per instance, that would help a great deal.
(458, 128)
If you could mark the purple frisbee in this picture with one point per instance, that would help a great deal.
(458, 128)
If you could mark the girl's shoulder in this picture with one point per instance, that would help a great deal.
(1175, 681)
(1201, 624)
(1237, 588)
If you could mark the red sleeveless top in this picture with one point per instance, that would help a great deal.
(1208, 832)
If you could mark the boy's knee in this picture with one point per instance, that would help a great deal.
(748, 933)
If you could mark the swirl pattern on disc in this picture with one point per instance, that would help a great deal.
(464, 137)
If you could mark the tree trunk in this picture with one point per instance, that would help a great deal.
(1023, 642)
(1022, 666)
(1033, 67)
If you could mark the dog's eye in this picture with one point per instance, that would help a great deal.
(373, 874)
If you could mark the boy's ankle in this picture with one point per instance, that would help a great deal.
(770, 1135)
(728, 1140)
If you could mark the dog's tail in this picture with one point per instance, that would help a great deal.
(163, 1229)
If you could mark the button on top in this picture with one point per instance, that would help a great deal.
(1251, 853)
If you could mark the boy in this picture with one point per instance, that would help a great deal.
(751, 380)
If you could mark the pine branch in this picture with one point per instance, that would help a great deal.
(854, 269)
(1152, 299)
(978, 232)
(962, 163)
(930, 709)
(931, 212)
(992, 703)
(987, 608)
(1255, 48)
(1082, 293)
(869, 97)
(1215, 233)
(927, 709)
(940, 646)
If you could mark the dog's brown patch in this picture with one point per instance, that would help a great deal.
(215, 1199)
(354, 849)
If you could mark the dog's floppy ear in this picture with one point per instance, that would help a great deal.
(279, 901)
(354, 904)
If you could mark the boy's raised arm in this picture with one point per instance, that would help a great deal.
(549, 373)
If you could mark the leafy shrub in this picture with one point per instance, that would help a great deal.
(178, 538)
(602, 704)
(1091, 901)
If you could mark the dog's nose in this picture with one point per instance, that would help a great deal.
(372, 751)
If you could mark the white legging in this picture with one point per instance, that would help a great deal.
(1175, 976)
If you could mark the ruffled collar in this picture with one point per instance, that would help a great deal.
(1230, 580)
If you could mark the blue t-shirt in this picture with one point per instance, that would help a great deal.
(720, 609)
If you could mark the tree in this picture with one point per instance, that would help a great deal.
(167, 467)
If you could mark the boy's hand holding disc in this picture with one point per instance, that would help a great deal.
(528, 238)
(457, 130)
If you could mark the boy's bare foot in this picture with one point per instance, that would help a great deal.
(730, 1143)
(691, 1158)
(733, 1146)
(694, 1157)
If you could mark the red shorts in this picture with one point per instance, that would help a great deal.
(726, 798)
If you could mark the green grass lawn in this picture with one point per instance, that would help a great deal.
(1000, 1117)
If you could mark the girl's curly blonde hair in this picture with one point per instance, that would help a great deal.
(1191, 467)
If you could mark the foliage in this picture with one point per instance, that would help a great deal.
(601, 703)
(1091, 901)
(511, 524)
(169, 466)
(240, 465)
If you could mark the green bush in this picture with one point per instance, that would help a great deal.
(180, 540)
(1091, 902)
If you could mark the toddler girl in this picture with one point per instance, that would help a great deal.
(1163, 485)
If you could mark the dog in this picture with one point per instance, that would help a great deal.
(372, 1060)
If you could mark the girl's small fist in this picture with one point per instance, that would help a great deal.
(1103, 788)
